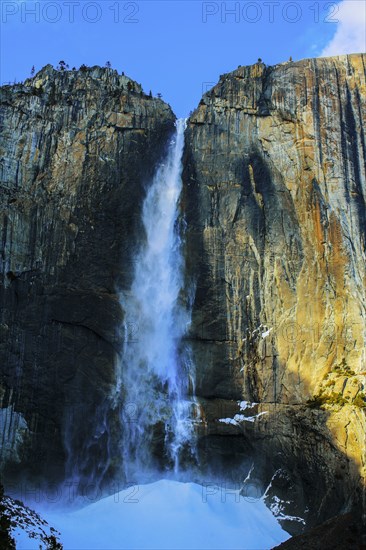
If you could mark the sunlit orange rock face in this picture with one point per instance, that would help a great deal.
(274, 198)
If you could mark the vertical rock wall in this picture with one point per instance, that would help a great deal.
(274, 198)
(77, 151)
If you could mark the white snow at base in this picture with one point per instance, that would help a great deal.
(27, 524)
(166, 515)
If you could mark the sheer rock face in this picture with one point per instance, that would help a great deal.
(77, 150)
(274, 198)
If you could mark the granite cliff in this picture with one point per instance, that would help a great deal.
(274, 199)
(274, 204)
(78, 150)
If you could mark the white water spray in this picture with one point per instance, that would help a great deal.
(156, 371)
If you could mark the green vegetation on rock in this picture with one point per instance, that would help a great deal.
(321, 399)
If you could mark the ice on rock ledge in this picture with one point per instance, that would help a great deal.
(246, 405)
(241, 418)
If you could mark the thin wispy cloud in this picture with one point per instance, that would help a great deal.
(350, 36)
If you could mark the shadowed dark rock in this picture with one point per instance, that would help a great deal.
(78, 149)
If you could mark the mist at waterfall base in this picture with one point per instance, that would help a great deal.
(162, 507)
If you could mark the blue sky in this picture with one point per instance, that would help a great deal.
(177, 48)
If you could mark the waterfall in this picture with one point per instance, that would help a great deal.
(156, 372)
